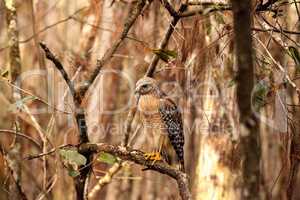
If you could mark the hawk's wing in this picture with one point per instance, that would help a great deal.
(172, 120)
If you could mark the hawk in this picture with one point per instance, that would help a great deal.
(162, 119)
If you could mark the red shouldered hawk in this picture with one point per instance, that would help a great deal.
(162, 119)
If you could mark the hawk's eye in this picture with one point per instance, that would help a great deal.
(144, 86)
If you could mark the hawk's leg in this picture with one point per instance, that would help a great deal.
(156, 155)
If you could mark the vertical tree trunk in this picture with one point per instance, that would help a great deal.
(13, 156)
(249, 132)
(218, 170)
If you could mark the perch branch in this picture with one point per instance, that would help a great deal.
(136, 156)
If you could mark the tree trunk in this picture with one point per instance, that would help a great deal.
(249, 131)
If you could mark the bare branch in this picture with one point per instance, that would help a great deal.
(209, 7)
(61, 69)
(132, 17)
(169, 7)
(11, 162)
(204, 11)
(106, 179)
(281, 68)
(276, 31)
(136, 156)
(165, 40)
(13, 132)
(133, 155)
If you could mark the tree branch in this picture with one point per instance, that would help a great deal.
(136, 156)
(169, 7)
(133, 155)
(80, 121)
(81, 180)
(276, 31)
(16, 133)
(204, 11)
(11, 166)
(209, 7)
(59, 66)
(132, 17)
(166, 39)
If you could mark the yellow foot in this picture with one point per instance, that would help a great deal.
(155, 156)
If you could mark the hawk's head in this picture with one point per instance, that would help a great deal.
(146, 85)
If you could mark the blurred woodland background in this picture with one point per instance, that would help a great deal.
(241, 116)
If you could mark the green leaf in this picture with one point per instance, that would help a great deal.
(107, 158)
(294, 53)
(165, 55)
(259, 95)
(73, 173)
(72, 157)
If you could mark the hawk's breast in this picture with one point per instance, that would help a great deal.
(149, 108)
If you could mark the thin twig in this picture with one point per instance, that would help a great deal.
(44, 139)
(276, 31)
(10, 164)
(51, 151)
(33, 95)
(205, 11)
(13, 132)
(53, 25)
(281, 68)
